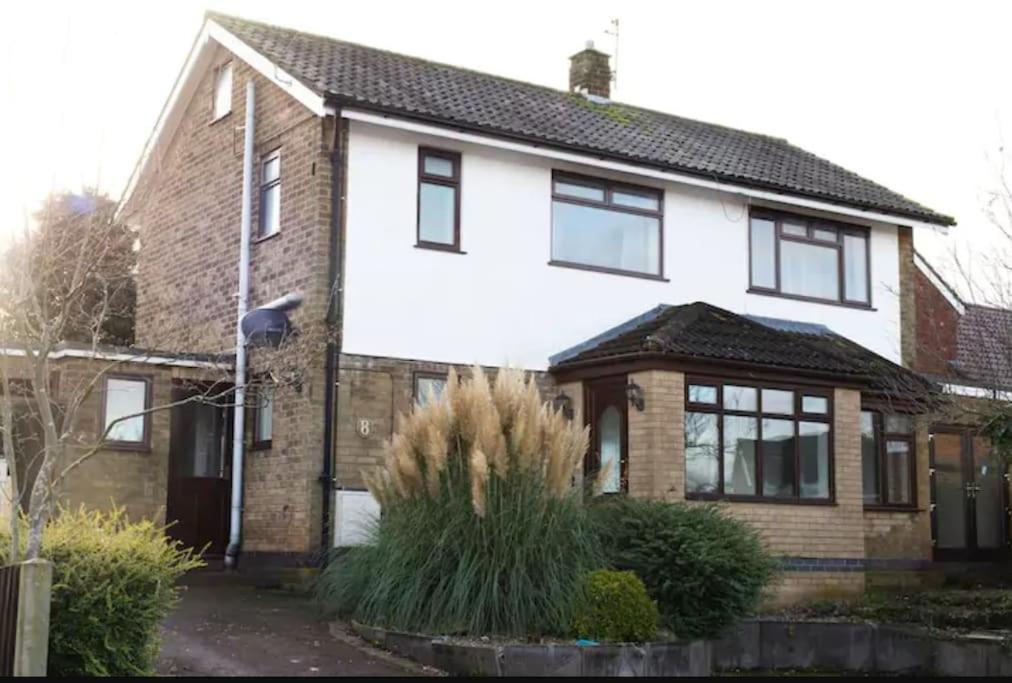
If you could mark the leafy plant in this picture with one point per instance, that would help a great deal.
(113, 584)
(704, 568)
(616, 608)
(482, 531)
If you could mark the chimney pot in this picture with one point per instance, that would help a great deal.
(590, 72)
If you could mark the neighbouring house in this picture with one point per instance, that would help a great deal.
(732, 316)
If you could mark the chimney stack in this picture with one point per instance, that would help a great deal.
(590, 72)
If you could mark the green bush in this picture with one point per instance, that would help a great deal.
(113, 584)
(704, 568)
(617, 608)
(482, 532)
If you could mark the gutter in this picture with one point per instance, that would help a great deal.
(332, 368)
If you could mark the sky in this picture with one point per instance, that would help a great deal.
(914, 95)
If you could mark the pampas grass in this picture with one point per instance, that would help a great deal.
(482, 530)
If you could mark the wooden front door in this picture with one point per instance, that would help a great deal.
(607, 414)
(969, 495)
(199, 475)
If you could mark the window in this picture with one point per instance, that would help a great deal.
(263, 417)
(809, 258)
(887, 459)
(756, 442)
(124, 402)
(438, 199)
(428, 387)
(222, 91)
(605, 226)
(270, 194)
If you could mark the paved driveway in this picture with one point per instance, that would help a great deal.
(223, 628)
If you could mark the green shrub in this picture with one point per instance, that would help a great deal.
(113, 584)
(704, 568)
(482, 532)
(617, 608)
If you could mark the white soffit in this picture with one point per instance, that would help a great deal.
(631, 169)
(196, 64)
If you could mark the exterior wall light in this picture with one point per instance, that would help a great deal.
(563, 403)
(634, 392)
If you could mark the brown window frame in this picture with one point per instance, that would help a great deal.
(796, 416)
(264, 187)
(609, 187)
(453, 182)
(145, 443)
(812, 224)
(257, 444)
(442, 376)
(881, 437)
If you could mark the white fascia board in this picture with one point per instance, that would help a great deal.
(120, 356)
(631, 169)
(941, 286)
(186, 83)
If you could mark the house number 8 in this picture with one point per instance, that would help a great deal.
(364, 428)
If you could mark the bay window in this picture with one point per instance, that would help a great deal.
(808, 258)
(602, 225)
(757, 442)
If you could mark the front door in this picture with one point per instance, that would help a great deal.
(969, 496)
(607, 459)
(199, 483)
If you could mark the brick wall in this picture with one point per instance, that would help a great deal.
(908, 305)
(936, 328)
(187, 212)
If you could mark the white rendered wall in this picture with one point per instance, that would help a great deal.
(501, 302)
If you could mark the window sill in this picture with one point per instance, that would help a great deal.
(263, 238)
(133, 446)
(261, 445)
(810, 299)
(761, 499)
(878, 507)
(608, 271)
(435, 246)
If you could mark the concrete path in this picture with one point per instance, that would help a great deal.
(223, 628)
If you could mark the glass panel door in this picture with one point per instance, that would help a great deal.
(606, 415)
(950, 497)
(986, 495)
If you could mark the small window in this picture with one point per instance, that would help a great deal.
(270, 194)
(816, 405)
(223, 90)
(702, 393)
(438, 199)
(428, 387)
(263, 417)
(808, 258)
(123, 418)
(602, 225)
(887, 459)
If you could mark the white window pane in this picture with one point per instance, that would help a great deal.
(741, 436)
(223, 91)
(763, 257)
(809, 270)
(609, 429)
(778, 457)
(272, 169)
(855, 264)
(579, 191)
(702, 453)
(428, 388)
(271, 207)
(740, 398)
(125, 397)
(898, 464)
(815, 404)
(439, 166)
(607, 239)
(778, 401)
(795, 229)
(824, 234)
(814, 456)
(636, 201)
(869, 459)
(702, 393)
(265, 414)
(437, 209)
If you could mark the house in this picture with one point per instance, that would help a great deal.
(732, 316)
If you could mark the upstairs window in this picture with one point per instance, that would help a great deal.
(602, 225)
(438, 199)
(270, 194)
(887, 459)
(123, 418)
(809, 258)
(222, 91)
(755, 442)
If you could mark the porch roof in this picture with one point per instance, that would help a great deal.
(701, 332)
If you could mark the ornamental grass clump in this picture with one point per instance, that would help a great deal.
(482, 531)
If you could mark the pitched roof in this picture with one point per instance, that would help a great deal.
(983, 352)
(370, 78)
(700, 331)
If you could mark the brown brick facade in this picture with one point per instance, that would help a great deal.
(936, 328)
